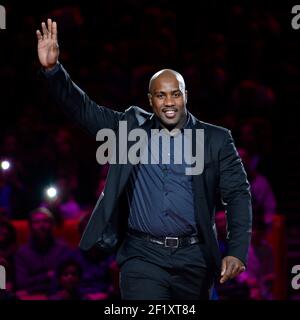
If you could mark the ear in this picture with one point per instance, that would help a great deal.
(186, 96)
(150, 99)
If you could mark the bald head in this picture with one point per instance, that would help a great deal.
(168, 97)
(167, 74)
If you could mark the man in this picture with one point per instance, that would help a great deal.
(167, 246)
(36, 260)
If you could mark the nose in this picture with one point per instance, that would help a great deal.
(169, 101)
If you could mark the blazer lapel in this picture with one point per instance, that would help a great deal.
(125, 169)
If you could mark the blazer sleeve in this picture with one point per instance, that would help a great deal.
(76, 103)
(235, 192)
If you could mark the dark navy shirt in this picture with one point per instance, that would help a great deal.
(160, 196)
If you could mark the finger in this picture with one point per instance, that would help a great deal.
(241, 269)
(45, 31)
(235, 271)
(39, 35)
(223, 269)
(227, 274)
(49, 23)
(224, 278)
(54, 31)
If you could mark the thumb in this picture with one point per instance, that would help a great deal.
(223, 269)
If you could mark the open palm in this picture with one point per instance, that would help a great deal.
(47, 44)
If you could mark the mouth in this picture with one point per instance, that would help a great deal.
(170, 113)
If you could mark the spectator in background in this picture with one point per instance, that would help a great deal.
(253, 98)
(263, 199)
(260, 273)
(96, 265)
(8, 246)
(63, 154)
(7, 237)
(68, 206)
(255, 135)
(36, 261)
(13, 192)
(68, 276)
(64, 203)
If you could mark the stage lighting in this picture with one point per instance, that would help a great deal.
(51, 192)
(5, 165)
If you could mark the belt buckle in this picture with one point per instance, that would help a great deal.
(171, 238)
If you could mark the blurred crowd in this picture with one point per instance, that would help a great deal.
(48, 169)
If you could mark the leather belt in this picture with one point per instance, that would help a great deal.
(169, 242)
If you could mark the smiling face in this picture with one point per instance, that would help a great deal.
(168, 97)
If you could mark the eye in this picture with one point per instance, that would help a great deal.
(177, 94)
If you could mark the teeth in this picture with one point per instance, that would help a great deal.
(170, 113)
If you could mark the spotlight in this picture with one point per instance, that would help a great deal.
(5, 165)
(51, 192)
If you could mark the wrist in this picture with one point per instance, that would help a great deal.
(50, 68)
(50, 71)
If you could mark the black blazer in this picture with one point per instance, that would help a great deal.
(223, 175)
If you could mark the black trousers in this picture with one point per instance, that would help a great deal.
(149, 271)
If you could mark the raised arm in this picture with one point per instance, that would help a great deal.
(65, 93)
(48, 50)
